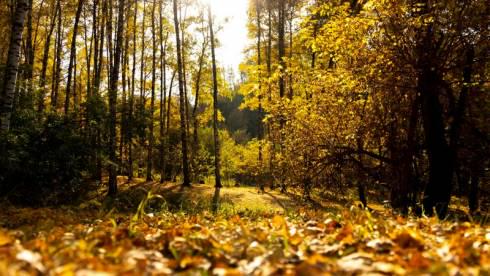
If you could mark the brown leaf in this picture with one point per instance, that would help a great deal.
(418, 261)
(346, 233)
(407, 239)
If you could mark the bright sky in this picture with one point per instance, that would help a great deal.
(233, 35)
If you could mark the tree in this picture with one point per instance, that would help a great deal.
(131, 97)
(44, 68)
(163, 92)
(113, 99)
(217, 159)
(197, 94)
(58, 57)
(151, 138)
(258, 9)
(13, 56)
(73, 57)
(183, 132)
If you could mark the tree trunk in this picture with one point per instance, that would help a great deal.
(97, 80)
(10, 75)
(142, 102)
(98, 62)
(217, 158)
(282, 69)
(58, 57)
(131, 98)
(30, 51)
(259, 64)
(44, 63)
(184, 73)
(401, 188)
(73, 53)
(183, 134)
(281, 48)
(89, 43)
(473, 192)
(438, 191)
(269, 88)
(195, 144)
(149, 163)
(163, 94)
(167, 131)
(124, 108)
(290, 23)
(113, 99)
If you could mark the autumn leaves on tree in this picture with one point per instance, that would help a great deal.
(377, 96)
(116, 48)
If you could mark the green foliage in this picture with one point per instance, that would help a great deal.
(43, 162)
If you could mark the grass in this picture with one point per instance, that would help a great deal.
(243, 201)
(198, 198)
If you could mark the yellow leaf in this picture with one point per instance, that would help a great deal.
(5, 239)
(278, 222)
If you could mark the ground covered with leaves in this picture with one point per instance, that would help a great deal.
(306, 242)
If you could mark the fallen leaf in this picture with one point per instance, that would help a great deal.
(33, 258)
(5, 239)
(278, 222)
(406, 239)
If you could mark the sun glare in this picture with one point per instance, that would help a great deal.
(231, 16)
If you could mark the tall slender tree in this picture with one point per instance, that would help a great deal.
(183, 132)
(58, 57)
(217, 156)
(8, 91)
(258, 8)
(45, 59)
(73, 53)
(197, 84)
(163, 92)
(113, 98)
(131, 97)
(151, 138)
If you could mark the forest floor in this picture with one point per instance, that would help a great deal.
(164, 229)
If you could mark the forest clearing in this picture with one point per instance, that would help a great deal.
(244, 137)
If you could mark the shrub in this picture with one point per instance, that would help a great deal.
(43, 163)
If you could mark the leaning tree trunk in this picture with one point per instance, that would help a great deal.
(183, 134)
(10, 76)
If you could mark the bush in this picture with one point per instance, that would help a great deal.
(43, 163)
